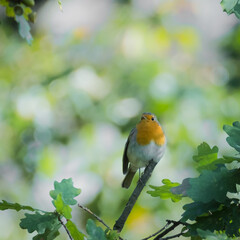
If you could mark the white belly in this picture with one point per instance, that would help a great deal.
(139, 155)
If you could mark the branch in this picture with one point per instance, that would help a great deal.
(133, 198)
(98, 218)
(154, 234)
(69, 235)
(175, 224)
(173, 236)
(167, 230)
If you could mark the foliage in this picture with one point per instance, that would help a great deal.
(206, 156)
(233, 132)
(231, 6)
(67, 191)
(24, 28)
(23, 14)
(97, 233)
(212, 236)
(62, 208)
(4, 205)
(214, 193)
(164, 191)
(39, 222)
(47, 224)
(75, 233)
(112, 234)
(94, 232)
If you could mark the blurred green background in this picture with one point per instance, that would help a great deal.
(69, 101)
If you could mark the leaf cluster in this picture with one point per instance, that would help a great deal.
(47, 224)
(22, 12)
(215, 209)
(231, 6)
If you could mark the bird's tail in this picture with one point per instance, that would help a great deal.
(128, 179)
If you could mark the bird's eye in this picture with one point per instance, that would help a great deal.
(152, 118)
(142, 118)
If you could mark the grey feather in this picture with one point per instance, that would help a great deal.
(125, 159)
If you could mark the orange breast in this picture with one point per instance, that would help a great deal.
(147, 131)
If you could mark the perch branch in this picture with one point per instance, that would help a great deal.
(133, 198)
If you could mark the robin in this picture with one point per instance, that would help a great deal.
(145, 142)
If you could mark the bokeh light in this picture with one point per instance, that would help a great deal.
(69, 101)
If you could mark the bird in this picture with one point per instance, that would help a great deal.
(145, 142)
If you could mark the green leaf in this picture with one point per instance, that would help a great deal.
(236, 10)
(164, 191)
(4, 3)
(26, 11)
(228, 5)
(234, 135)
(10, 11)
(229, 159)
(204, 151)
(67, 191)
(94, 232)
(24, 28)
(213, 185)
(195, 237)
(4, 205)
(112, 234)
(210, 185)
(225, 220)
(231, 6)
(208, 235)
(196, 209)
(207, 157)
(75, 233)
(49, 234)
(231, 195)
(38, 222)
(62, 208)
(29, 3)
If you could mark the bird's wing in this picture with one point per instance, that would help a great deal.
(125, 157)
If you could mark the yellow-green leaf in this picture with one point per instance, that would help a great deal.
(75, 233)
(62, 208)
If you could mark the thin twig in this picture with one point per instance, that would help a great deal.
(173, 236)
(154, 234)
(175, 224)
(97, 217)
(60, 220)
(133, 198)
